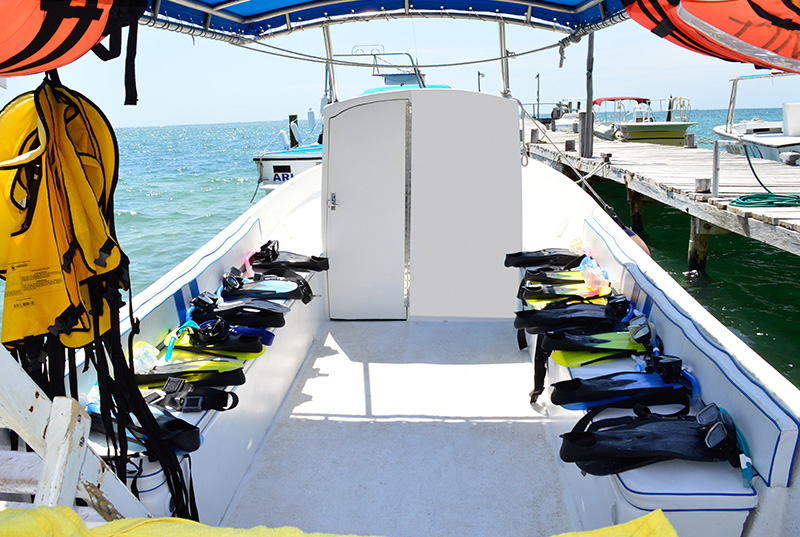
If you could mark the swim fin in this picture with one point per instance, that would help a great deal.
(529, 290)
(586, 357)
(618, 444)
(567, 315)
(567, 341)
(290, 286)
(190, 370)
(551, 275)
(557, 257)
(244, 312)
(212, 338)
(620, 389)
(268, 256)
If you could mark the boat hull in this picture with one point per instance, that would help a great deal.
(277, 167)
(657, 132)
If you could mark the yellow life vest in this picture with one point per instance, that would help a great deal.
(58, 240)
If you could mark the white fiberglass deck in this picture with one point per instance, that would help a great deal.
(413, 429)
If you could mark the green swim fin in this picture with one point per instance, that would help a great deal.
(189, 345)
(573, 350)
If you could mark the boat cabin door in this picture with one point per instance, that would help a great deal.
(366, 183)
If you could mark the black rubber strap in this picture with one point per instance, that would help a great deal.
(540, 357)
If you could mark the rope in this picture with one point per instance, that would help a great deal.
(293, 55)
(582, 179)
(765, 200)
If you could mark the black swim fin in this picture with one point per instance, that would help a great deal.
(190, 370)
(549, 274)
(556, 257)
(216, 336)
(244, 312)
(289, 286)
(615, 445)
(622, 389)
(567, 315)
(270, 257)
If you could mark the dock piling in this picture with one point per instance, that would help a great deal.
(636, 202)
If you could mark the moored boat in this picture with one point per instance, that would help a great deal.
(634, 119)
(771, 140)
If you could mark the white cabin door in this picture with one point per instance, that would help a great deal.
(366, 225)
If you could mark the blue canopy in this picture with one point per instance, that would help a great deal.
(265, 18)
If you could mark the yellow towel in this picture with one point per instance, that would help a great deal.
(64, 522)
(653, 524)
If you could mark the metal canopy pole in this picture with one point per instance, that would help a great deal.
(326, 32)
(504, 62)
(587, 133)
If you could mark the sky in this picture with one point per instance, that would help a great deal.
(185, 80)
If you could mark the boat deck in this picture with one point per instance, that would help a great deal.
(668, 175)
(413, 429)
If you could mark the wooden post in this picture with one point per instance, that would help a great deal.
(27, 411)
(698, 244)
(636, 201)
(65, 452)
(587, 132)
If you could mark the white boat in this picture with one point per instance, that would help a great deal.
(396, 401)
(763, 139)
(278, 166)
(566, 115)
(354, 413)
(638, 119)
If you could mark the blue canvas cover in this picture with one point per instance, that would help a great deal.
(261, 18)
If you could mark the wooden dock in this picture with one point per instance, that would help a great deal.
(669, 175)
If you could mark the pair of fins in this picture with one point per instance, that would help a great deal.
(274, 284)
(615, 445)
(243, 312)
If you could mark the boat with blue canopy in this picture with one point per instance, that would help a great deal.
(363, 350)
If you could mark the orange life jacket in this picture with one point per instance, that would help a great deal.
(769, 25)
(661, 17)
(40, 35)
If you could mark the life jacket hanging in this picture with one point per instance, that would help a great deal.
(41, 35)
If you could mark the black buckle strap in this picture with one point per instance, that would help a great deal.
(183, 396)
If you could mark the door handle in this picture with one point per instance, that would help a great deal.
(332, 204)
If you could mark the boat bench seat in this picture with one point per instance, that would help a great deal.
(690, 493)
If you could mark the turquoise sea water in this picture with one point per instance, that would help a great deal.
(181, 185)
